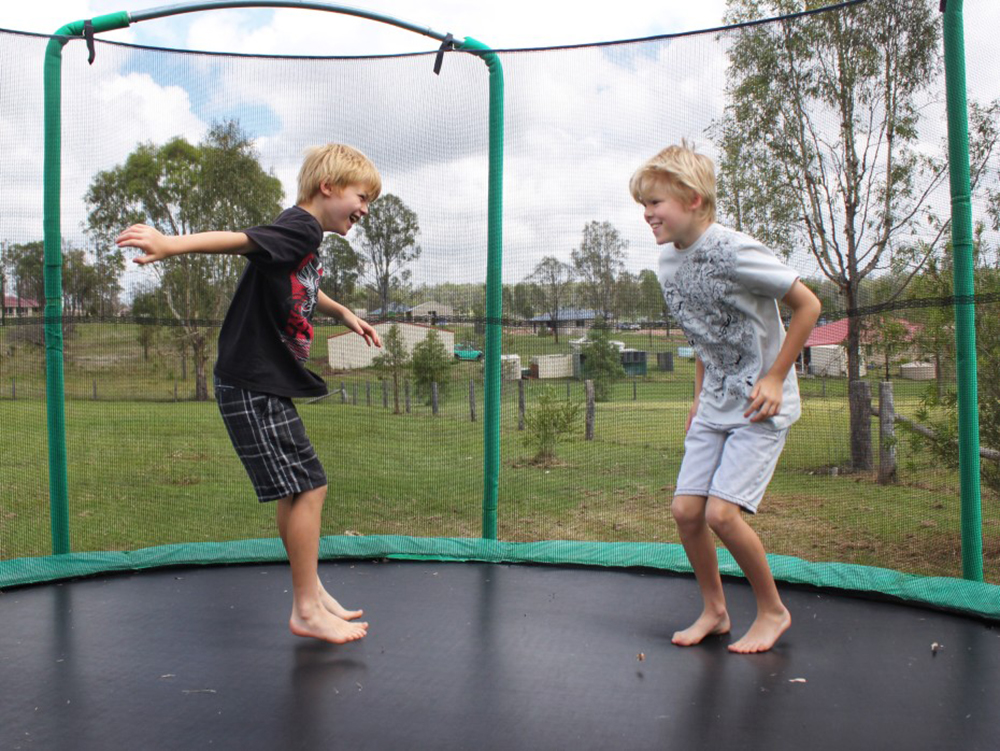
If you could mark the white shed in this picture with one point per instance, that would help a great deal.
(348, 351)
(917, 371)
(552, 366)
(830, 360)
(510, 367)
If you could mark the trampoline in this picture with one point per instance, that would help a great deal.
(161, 621)
(479, 656)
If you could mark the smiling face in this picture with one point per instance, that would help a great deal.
(672, 217)
(339, 209)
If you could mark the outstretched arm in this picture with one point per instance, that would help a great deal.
(156, 246)
(330, 307)
(765, 399)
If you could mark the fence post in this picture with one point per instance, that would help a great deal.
(886, 434)
(95, 389)
(13, 388)
(634, 394)
(520, 404)
(354, 396)
(343, 393)
(406, 385)
(472, 400)
(589, 434)
(175, 390)
(434, 398)
(385, 394)
(861, 418)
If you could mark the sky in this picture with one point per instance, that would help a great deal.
(578, 122)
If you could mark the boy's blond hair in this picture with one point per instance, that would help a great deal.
(340, 166)
(683, 173)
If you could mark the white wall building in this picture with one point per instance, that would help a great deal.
(348, 351)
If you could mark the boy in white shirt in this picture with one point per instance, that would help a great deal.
(722, 287)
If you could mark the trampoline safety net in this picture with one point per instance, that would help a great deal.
(597, 378)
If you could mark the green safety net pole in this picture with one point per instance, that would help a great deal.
(494, 292)
(54, 387)
(965, 309)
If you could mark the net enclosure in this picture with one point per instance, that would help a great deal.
(529, 404)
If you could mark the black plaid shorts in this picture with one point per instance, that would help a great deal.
(270, 440)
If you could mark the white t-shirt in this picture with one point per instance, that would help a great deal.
(723, 291)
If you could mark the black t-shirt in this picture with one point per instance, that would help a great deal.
(266, 335)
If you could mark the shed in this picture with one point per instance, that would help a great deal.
(348, 351)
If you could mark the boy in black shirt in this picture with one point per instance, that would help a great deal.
(263, 346)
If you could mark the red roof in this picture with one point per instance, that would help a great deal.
(836, 333)
(11, 301)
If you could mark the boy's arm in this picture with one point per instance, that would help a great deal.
(330, 307)
(765, 399)
(156, 246)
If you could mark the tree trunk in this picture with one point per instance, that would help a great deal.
(200, 350)
(886, 435)
(861, 428)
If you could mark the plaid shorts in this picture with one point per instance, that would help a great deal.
(270, 440)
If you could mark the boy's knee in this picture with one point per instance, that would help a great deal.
(688, 510)
(721, 515)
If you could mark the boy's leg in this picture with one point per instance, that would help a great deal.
(300, 516)
(331, 604)
(689, 513)
(773, 619)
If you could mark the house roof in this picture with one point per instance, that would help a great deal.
(12, 301)
(569, 314)
(836, 333)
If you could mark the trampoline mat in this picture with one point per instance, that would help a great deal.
(479, 656)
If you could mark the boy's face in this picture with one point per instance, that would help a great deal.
(671, 218)
(342, 209)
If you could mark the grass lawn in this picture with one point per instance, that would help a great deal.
(152, 472)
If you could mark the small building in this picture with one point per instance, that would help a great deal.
(552, 366)
(571, 321)
(17, 307)
(430, 311)
(917, 371)
(510, 367)
(348, 351)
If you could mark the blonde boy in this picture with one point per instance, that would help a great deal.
(263, 346)
(722, 287)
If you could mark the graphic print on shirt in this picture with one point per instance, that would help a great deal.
(700, 297)
(298, 331)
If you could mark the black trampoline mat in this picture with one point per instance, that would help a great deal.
(479, 656)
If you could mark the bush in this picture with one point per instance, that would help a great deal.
(547, 423)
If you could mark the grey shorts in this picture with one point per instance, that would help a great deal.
(734, 463)
(270, 440)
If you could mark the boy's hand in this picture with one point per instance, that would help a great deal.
(691, 414)
(765, 399)
(363, 329)
(154, 245)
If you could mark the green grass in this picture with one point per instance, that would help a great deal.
(146, 472)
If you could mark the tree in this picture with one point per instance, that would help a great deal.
(603, 362)
(179, 188)
(820, 139)
(147, 307)
(885, 336)
(430, 362)
(553, 279)
(519, 300)
(652, 306)
(598, 261)
(26, 263)
(394, 360)
(342, 265)
(389, 244)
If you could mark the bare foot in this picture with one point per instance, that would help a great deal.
(335, 607)
(706, 625)
(763, 633)
(322, 624)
